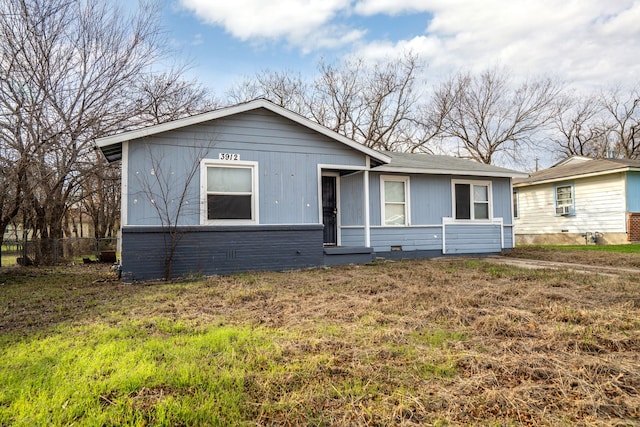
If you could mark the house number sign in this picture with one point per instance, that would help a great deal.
(228, 156)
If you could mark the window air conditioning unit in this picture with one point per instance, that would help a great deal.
(563, 210)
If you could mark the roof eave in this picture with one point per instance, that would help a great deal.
(577, 176)
(496, 174)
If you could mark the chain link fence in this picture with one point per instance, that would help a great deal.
(58, 251)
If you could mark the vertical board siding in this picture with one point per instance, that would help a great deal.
(221, 250)
(429, 198)
(374, 199)
(287, 155)
(473, 239)
(599, 206)
(352, 199)
(502, 199)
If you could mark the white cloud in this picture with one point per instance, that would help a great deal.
(392, 7)
(306, 24)
(586, 42)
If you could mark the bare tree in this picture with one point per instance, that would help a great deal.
(169, 188)
(11, 180)
(374, 104)
(622, 117)
(284, 88)
(489, 116)
(66, 77)
(100, 198)
(167, 96)
(580, 129)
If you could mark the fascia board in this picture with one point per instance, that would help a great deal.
(513, 174)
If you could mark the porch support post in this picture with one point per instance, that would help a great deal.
(367, 225)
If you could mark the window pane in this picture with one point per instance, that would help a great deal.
(229, 180)
(480, 193)
(394, 191)
(394, 214)
(563, 196)
(463, 203)
(481, 211)
(228, 206)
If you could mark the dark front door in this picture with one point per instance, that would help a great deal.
(330, 210)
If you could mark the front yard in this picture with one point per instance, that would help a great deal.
(440, 342)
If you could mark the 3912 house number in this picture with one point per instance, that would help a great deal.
(228, 156)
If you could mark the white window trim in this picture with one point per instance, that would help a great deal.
(572, 206)
(471, 182)
(515, 205)
(204, 164)
(407, 210)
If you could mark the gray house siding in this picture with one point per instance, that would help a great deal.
(472, 239)
(288, 156)
(352, 236)
(352, 200)
(287, 159)
(502, 199)
(221, 250)
(406, 238)
(430, 200)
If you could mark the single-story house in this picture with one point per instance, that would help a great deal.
(579, 200)
(272, 190)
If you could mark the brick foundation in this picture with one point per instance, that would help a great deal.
(633, 226)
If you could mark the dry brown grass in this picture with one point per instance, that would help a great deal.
(449, 341)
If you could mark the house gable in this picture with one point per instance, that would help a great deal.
(287, 156)
(111, 144)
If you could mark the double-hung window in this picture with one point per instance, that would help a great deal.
(395, 201)
(472, 200)
(229, 192)
(563, 195)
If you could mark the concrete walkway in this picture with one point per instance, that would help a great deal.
(580, 268)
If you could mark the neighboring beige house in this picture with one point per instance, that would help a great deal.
(577, 201)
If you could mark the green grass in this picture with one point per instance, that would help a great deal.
(9, 254)
(434, 342)
(154, 372)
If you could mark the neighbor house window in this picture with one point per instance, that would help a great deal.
(516, 204)
(472, 200)
(394, 191)
(564, 199)
(230, 192)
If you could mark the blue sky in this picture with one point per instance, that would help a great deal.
(585, 43)
(220, 58)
